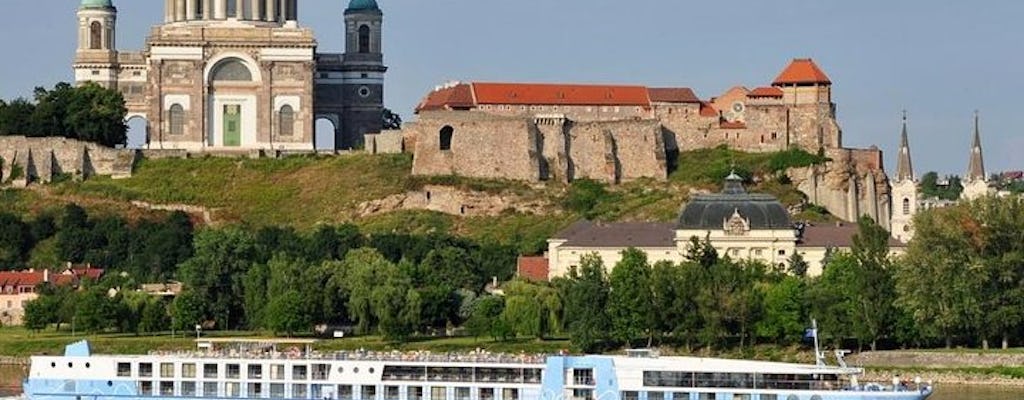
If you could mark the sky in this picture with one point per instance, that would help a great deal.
(939, 60)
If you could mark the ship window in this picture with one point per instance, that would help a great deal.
(369, 392)
(630, 395)
(320, 372)
(438, 393)
(167, 388)
(210, 371)
(486, 394)
(583, 377)
(232, 389)
(145, 370)
(655, 396)
(209, 389)
(277, 372)
(582, 394)
(316, 392)
(414, 393)
(234, 371)
(391, 393)
(87, 365)
(532, 375)
(70, 365)
(255, 371)
(254, 389)
(513, 394)
(166, 370)
(124, 369)
(188, 389)
(461, 393)
(146, 387)
(277, 390)
(680, 396)
(344, 392)
(188, 370)
(300, 372)
(746, 396)
(299, 391)
(705, 396)
(771, 396)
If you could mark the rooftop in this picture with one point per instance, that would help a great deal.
(802, 71)
(710, 211)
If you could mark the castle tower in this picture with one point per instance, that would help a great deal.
(802, 82)
(807, 95)
(975, 182)
(362, 73)
(904, 190)
(96, 55)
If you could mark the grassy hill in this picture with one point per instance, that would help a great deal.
(305, 191)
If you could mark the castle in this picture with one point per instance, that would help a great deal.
(239, 74)
(615, 133)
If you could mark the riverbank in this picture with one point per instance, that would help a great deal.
(956, 366)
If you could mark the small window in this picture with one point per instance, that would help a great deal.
(369, 392)
(344, 392)
(95, 35)
(255, 389)
(255, 371)
(188, 389)
(176, 116)
(461, 393)
(364, 39)
(364, 92)
(513, 394)
(416, 393)
(210, 371)
(166, 370)
(906, 206)
(630, 395)
(299, 391)
(438, 393)
(146, 370)
(209, 389)
(166, 388)
(655, 396)
(300, 372)
(446, 138)
(234, 371)
(188, 370)
(277, 390)
(124, 369)
(286, 118)
(782, 252)
(277, 372)
(391, 393)
(232, 389)
(146, 388)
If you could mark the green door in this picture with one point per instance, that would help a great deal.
(232, 126)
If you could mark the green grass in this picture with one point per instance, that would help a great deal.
(705, 167)
(1010, 372)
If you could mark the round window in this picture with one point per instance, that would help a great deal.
(356, 370)
(341, 369)
(364, 91)
(371, 370)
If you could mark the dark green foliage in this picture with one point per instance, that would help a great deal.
(187, 311)
(88, 112)
(930, 186)
(216, 273)
(586, 305)
(392, 121)
(583, 197)
(485, 320)
(710, 166)
(630, 303)
(16, 241)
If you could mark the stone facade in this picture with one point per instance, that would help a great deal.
(39, 159)
(539, 132)
(239, 76)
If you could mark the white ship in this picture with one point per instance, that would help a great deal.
(279, 369)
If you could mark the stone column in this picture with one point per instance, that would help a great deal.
(220, 9)
(282, 10)
(208, 9)
(179, 10)
(190, 10)
(239, 9)
(257, 10)
(168, 11)
(271, 15)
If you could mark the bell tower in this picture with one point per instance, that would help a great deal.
(362, 74)
(96, 55)
(904, 191)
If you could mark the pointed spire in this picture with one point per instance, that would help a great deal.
(976, 167)
(904, 168)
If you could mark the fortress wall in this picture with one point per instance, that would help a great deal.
(42, 158)
(385, 142)
(553, 139)
(483, 148)
(619, 151)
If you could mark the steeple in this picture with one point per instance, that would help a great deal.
(976, 168)
(904, 168)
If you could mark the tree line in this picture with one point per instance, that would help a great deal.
(960, 282)
(88, 112)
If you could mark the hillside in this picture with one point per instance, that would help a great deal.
(302, 192)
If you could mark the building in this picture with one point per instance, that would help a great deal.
(616, 133)
(222, 75)
(19, 287)
(908, 197)
(738, 224)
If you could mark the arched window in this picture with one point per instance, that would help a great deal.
(231, 70)
(446, 138)
(906, 206)
(286, 119)
(177, 119)
(364, 39)
(95, 35)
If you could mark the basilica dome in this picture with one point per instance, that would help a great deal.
(710, 211)
(357, 5)
(98, 4)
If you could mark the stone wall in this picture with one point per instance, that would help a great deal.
(386, 142)
(849, 186)
(39, 159)
(481, 146)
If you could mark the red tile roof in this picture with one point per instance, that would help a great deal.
(706, 110)
(20, 278)
(560, 94)
(31, 278)
(732, 125)
(672, 95)
(765, 92)
(802, 71)
(533, 268)
(454, 96)
(88, 272)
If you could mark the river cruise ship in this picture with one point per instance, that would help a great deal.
(289, 370)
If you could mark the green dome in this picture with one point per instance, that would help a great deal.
(359, 5)
(98, 4)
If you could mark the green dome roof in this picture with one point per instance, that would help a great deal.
(98, 4)
(358, 5)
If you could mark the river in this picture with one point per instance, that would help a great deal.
(11, 376)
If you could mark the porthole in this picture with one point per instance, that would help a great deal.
(70, 365)
(341, 369)
(87, 365)
(110, 383)
(364, 92)
(371, 370)
(355, 370)
(53, 365)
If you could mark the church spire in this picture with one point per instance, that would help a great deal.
(976, 168)
(904, 168)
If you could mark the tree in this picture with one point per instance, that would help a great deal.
(586, 305)
(16, 118)
(392, 121)
(154, 316)
(216, 274)
(187, 311)
(96, 114)
(874, 287)
(796, 265)
(630, 303)
(999, 248)
(531, 309)
(286, 313)
(41, 312)
(16, 241)
(784, 312)
(365, 271)
(485, 318)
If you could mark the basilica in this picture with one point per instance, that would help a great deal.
(224, 75)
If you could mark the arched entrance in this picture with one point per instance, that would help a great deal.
(138, 132)
(232, 112)
(325, 133)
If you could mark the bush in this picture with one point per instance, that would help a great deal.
(583, 197)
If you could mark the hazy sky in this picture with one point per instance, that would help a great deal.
(940, 60)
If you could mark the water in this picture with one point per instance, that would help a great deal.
(12, 375)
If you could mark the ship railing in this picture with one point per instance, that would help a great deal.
(488, 358)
